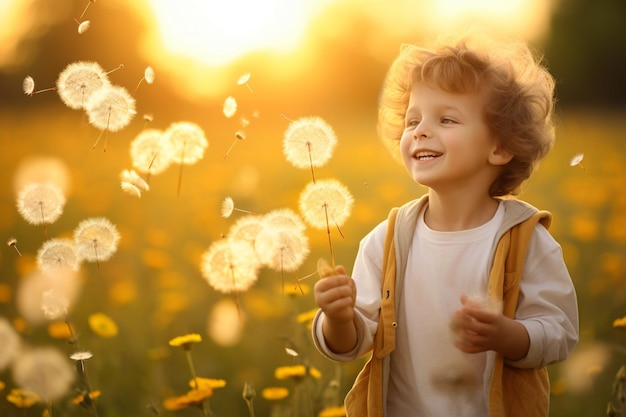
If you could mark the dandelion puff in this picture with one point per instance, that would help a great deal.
(309, 142)
(84, 27)
(44, 371)
(186, 145)
(54, 305)
(282, 249)
(323, 201)
(9, 343)
(81, 356)
(283, 218)
(247, 228)
(149, 152)
(41, 203)
(230, 266)
(131, 189)
(577, 160)
(243, 80)
(228, 206)
(56, 254)
(78, 81)
(96, 239)
(110, 109)
(230, 107)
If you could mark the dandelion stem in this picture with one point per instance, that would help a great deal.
(43, 221)
(231, 148)
(308, 145)
(13, 244)
(43, 91)
(180, 179)
(330, 243)
(84, 10)
(191, 368)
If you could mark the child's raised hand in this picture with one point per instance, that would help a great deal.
(335, 294)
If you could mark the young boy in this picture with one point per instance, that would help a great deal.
(469, 118)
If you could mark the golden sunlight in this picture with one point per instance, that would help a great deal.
(218, 32)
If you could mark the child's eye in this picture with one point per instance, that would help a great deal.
(412, 122)
(447, 120)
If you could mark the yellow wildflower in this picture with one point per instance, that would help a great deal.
(194, 397)
(22, 398)
(59, 330)
(295, 372)
(338, 411)
(274, 393)
(621, 322)
(102, 325)
(2, 385)
(207, 383)
(186, 341)
(307, 316)
(80, 399)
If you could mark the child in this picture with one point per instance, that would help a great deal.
(469, 118)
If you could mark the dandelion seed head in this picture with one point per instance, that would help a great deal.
(58, 253)
(9, 343)
(110, 108)
(28, 85)
(246, 228)
(41, 203)
(84, 27)
(66, 284)
(79, 81)
(325, 199)
(309, 141)
(96, 239)
(54, 305)
(148, 117)
(44, 371)
(148, 75)
(186, 142)
(131, 189)
(283, 218)
(149, 151)
(282, 249)
(230, 107)
(230, 265)
(227, 207)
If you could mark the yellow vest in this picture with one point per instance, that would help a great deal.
(512, 392)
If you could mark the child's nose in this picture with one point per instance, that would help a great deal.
(421, 131)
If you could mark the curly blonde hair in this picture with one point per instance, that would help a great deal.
(519, 93)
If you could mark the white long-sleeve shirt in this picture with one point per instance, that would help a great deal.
(428, 375)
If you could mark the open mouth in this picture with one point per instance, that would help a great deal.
(426, 155)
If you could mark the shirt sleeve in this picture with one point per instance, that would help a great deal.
(367, 274)
(547, 304)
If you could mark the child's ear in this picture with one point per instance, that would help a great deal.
(500, 156)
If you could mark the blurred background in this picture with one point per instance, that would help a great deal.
(323, 58)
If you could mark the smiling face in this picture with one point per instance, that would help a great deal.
(446, 144)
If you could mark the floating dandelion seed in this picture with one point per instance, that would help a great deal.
(110, 109)
(150, 153)
(230, 107)
(309, 142)
(324, 200)
(28, 86)
(56, 254)
(78, 81)
(83, 27)
(12, 242)
(96, 239)
(243, 80)
(577, 160)
(54, 305)
(41, 203)
(239, 135)
(148, 77)
(132, 183)
(228, 206)
(186, 145)
(44, 371)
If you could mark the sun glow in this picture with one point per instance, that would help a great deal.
(216, 33)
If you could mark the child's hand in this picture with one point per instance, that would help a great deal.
(335, 295)
(476, 326)
(479, 326)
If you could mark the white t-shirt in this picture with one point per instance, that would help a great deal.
(425, 364)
